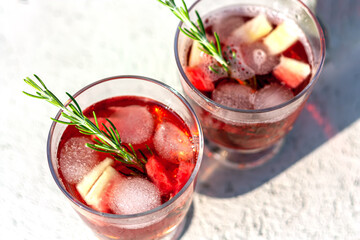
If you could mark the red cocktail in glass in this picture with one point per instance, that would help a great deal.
(121, 201)
(275, 51)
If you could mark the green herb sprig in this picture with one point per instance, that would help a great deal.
(197, 32)
(108, 141)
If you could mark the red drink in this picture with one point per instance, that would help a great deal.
(151, 128)
(126, 201)
(272, 67)
(257, 80)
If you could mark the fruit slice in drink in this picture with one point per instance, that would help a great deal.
(252, 30)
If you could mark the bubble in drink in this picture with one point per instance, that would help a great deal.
(76, 160)
(172, 144)
(272, 95)
(133, 195)
(257, 57)
(238, 68)
(233, 95)
(134, 123)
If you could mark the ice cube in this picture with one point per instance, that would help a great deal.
(134, 123)
(257, 57)
(172, 144)
(227, 24)
(76, 160)
(272, 95)
(234, 95)
(133, 195)
(238, 68)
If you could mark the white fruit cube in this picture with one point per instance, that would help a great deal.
(89, 179)
(94, 196)
(196, 55)
(291, 72)
(283, 36)
(253, 30)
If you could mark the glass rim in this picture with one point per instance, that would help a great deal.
(154, 210)
(208, 100)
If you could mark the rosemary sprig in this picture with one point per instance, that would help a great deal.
(197, 32)
(108, 141)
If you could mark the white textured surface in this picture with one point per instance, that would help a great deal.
(311, 190)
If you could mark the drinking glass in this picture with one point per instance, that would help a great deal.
(248, 138)
(158, 223)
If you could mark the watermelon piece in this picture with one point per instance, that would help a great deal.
(102, 206)
(95, 197)
(291, 72)
(158, 175)
(85, 185)
(183, 175)
(200, 79)
(105, 201)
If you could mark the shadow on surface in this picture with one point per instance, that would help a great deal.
(333, 106)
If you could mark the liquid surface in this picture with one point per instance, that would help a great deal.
(155, 132)
(249, 38)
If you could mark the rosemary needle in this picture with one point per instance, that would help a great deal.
(108, 141)
(197, 32)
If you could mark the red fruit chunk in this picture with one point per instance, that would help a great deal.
(157, 174)
(199, 79)
(103, 204)
(291, 72)
(183, 175)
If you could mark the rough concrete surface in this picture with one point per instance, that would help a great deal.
(310, 190)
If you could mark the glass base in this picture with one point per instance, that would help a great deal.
(240, 159)
(173, 233)
(177, 232)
